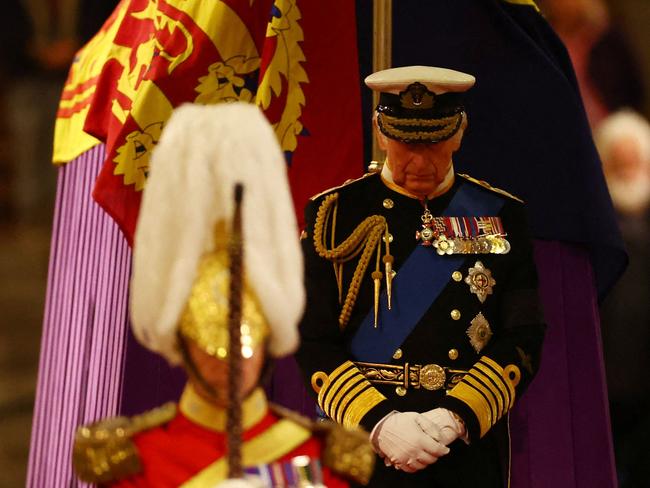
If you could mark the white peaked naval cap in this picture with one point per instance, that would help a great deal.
(437, 80)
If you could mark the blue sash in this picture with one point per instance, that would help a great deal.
(424, 270)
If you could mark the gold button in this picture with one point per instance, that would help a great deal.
(390, 238)
(400, 390)
(453, 354)
(397, 354)
(457, 276)
(455, 314)
(388, 203)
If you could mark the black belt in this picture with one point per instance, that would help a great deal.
(429, 376)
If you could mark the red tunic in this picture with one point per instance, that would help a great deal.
(177, 451)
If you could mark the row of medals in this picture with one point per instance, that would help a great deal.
(485, 244)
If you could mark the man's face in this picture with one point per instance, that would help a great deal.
(625, 160)
(420, 168)
(215, 372)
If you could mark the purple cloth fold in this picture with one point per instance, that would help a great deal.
(90, 367)
(149, 380)
(560, 428)
(82, 346)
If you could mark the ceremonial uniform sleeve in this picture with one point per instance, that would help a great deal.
(507, 365)
(345, 395)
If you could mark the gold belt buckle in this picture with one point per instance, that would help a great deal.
(432, 377)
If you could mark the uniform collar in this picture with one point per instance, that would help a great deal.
(202, 412)
(387, 179)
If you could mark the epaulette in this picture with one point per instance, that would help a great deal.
(487, 186)
(104, 451)
(529, 3)
(347, 452)
(346, 183)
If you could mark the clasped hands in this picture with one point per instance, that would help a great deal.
(411, 441)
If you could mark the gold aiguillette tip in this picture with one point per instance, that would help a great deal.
(376, 277)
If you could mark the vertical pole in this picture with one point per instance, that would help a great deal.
(234, 422)
(381, 52)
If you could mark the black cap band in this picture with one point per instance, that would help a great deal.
(419, 115)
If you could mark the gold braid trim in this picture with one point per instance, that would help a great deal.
(346, 395)
(489, 390)
(529, 3)
(448, 127)
(453, 119)
(364, 240)
(487, 186)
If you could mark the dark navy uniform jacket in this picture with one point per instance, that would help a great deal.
(496, 375)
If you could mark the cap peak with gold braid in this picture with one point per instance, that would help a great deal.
(420, 104)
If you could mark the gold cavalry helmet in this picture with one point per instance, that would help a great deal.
(181, 271)
(420, 104)
(205, 317)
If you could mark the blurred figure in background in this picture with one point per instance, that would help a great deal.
(623, 141)
(35, 52)
(608, 73)
(36, 49)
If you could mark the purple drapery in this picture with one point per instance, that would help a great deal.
(149, 380)
(560, 428)
(83, 341)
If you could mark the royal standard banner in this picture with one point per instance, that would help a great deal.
(330, 147)
(152, 56)
(180, 51)
(80, 90)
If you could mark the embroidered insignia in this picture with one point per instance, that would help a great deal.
(417, 96)
(526, 359)
(479, 332)
(480, 281)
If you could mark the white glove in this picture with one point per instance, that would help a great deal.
(450, 427)
(408, 441)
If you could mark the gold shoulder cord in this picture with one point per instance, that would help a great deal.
(364, 240)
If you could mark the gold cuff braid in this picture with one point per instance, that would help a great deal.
(488, 390)
(346, 396)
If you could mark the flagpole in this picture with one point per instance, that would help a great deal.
(381, 51)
